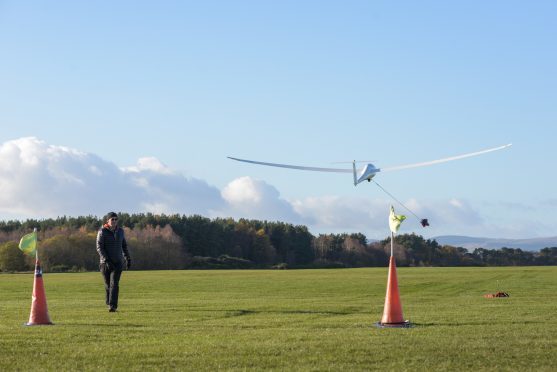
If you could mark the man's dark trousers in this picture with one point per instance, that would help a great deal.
(111, 276)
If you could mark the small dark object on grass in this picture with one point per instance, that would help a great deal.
(498, 294)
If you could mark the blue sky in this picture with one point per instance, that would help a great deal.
(181, 85)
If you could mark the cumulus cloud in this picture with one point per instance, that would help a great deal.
(42, 180)
(444, 213)
(149, 164)
(250, 198)
(337, 214)
(39, 180)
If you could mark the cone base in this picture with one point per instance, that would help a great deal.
(37, 324)
(405, 324)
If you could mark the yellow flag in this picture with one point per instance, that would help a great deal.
(28, 244)
(395, 220)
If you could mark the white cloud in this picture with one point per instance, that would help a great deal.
(255, 199)
(245, 191)
(350, 214)
(446, 213)
(38, 180)
(149, 164)
(336, 214)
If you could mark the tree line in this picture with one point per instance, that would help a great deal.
(176, 242)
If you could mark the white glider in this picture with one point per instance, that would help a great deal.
(369, 170)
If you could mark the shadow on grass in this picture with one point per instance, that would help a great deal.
(479, 323)
(233, 313)
(101, 325)
(241, 312)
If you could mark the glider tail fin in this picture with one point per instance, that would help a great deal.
(354, 172)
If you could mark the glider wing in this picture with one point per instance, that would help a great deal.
(316, 169)
(415, 165)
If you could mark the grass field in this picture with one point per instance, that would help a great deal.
(285, 320)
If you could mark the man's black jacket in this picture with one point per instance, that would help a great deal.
(112, 245)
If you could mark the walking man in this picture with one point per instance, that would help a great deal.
(112, 248)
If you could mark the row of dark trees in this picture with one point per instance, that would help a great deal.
(182, 242)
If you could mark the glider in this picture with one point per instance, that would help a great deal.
(369, 170)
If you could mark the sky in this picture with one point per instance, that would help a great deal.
(135, 105)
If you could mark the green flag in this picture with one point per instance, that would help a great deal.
(395, 220)
(28, 244)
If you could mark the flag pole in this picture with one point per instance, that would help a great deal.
(392, 242)
(37, 246)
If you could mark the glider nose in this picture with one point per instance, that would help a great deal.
(367, 173)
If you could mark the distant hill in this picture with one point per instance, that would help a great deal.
(534, 244)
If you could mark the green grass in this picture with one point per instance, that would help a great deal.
(285, 320)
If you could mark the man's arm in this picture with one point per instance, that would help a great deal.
(126, 251)
(100, 247)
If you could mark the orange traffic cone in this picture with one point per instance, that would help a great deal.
(39, 311)
(392, 313)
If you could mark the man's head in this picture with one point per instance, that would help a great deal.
(111, 219)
